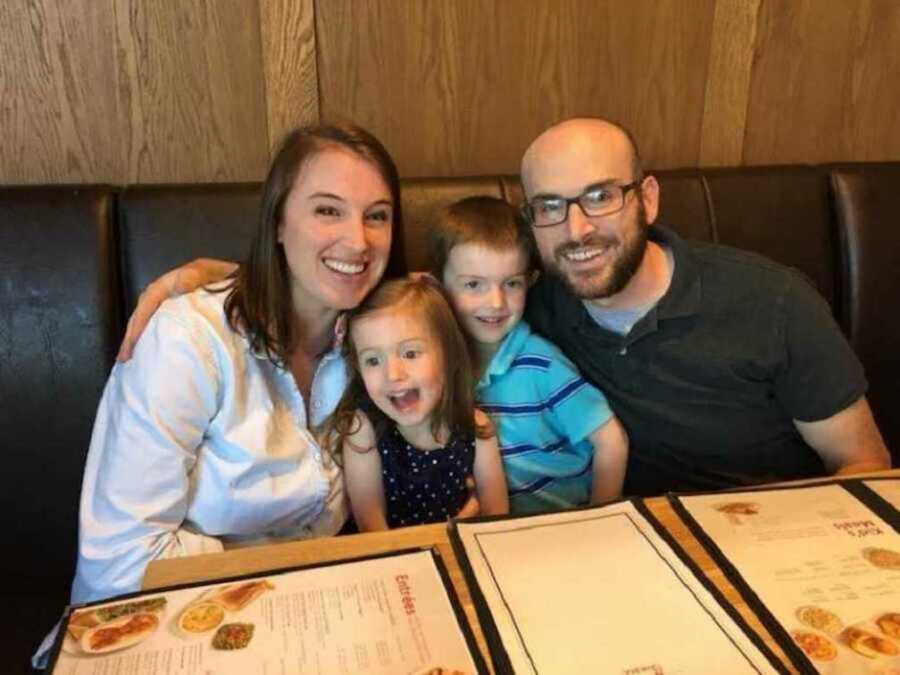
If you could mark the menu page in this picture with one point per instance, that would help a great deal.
(824, 566)
(597, 591)
(886, 488)
(379, 615)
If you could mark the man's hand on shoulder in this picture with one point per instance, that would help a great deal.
(179, 281)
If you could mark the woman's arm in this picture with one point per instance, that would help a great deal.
(610, 459)
(489, 477)
(362, 475)
(181, 280)
(152, 418)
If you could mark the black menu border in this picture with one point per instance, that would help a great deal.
(459, 613)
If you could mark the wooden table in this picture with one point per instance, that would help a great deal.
(236, 562)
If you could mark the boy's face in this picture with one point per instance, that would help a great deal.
(488, 289)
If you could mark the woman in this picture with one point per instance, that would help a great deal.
(202, 440)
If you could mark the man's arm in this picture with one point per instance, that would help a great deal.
(179, 281)
(848, 441)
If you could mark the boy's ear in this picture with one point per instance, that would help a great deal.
(533, 276)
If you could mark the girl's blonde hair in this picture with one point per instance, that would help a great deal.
(425, 299)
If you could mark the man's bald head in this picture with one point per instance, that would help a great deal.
(581, 139)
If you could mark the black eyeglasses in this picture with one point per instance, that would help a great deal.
(601, 199)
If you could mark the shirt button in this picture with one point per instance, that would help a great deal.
(316, 404)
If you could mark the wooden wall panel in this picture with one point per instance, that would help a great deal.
(59, 119)
(728, 82)
(192, 87)
(463, 86)
(824, 83)
(288, 32)
(127, 91)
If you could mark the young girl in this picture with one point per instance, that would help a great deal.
(406, 425)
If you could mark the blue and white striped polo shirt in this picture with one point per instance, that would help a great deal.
(544, 412)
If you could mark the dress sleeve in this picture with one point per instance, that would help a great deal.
(819, 374)
(576, 408)
(152, 418)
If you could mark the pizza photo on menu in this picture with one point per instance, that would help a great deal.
(815, 646)
(883, 558)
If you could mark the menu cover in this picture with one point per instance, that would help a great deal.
(599, 590)
(393, 613)
(887, 489)
(819, 566)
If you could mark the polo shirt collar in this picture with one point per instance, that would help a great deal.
(685, 294)
(506, 353)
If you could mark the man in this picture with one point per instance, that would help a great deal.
(725, 368)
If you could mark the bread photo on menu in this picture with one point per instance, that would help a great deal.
(237, 596)
(889, 624)
(870, 646)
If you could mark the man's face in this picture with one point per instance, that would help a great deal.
(597, 256)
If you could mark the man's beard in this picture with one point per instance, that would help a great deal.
(617, 273)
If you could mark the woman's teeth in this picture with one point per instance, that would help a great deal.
(344, 267)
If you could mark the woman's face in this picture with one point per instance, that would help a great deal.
(336, 231)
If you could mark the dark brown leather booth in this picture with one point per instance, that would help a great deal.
(74, 259)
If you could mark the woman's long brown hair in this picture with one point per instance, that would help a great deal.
(259, 296)
(426, 300)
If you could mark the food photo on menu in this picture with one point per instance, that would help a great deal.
(819, 564)
(385, 615)
(214, 614)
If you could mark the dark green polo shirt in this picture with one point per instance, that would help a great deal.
(708, 382)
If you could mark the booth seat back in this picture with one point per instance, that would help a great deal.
(867, 203)
(74, 260)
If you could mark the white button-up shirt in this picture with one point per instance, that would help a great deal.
(199, 444)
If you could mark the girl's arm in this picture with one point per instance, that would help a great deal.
(489, 477)
(610, 458)
(362, 474)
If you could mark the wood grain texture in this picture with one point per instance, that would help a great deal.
(824, 82)
(728, 82)
(288, 37)
(59, 119)
(462, 87)
(190, 82)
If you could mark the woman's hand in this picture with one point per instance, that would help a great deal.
(179, 281)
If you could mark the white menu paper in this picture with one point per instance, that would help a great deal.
(824, 565)
(600, 591)
(384, 615)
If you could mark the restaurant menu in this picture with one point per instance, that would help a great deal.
(389, 614)
(598, 590)
(820, 567)
(886, 488)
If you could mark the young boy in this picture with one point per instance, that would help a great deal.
(560, 443)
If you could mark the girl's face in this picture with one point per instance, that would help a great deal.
(336, 231)
(401, 364)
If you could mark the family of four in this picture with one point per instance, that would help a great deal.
(556, 355)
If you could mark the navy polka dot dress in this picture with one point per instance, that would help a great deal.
(424, 486)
